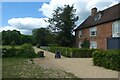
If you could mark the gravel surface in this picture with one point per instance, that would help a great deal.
(80, 67)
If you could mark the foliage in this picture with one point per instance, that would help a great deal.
(25, 51)
(8, 46)
(62, 24)
(26, 39)
(83, 53)
(73, 52)
(11, 52)
(14, 37)
(42, 36)
(109, 59)
(12, 44)
(85, 44)
(10, 36)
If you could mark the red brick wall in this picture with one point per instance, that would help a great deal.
(103, 31)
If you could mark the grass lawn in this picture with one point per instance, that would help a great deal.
(25, 68)
(8, 46)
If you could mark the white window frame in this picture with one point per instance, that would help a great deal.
(93, 45)
(93, 29)
(116, 29)
(80, 33)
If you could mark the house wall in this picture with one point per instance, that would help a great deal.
(104, 31)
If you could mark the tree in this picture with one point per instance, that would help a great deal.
(15, 37)
(26, 39)
(11, 36)
(42, 36)
(86, 43)
(62, 24)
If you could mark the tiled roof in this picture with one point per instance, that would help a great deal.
(107, 15)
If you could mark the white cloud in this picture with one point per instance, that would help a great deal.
(83, 7)
(25, 25)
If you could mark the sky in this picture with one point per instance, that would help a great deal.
(26, 16)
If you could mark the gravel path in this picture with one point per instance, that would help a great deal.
(80, 67)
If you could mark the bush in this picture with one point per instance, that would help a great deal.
(83, 53)
(86, 43)
(64, 51)
(25, 51)
(12, 52)
(109, 59)
(73, 52)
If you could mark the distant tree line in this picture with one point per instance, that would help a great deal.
(40, 36)
(15, 37)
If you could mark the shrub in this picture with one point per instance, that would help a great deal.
(86, 43)
(83, 53)
(109, 59)
(73, 52)
(25, 51)
(12, 52)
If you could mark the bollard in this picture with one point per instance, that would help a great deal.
(57, 54)
(41, 54)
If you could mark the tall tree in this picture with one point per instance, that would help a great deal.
(26, 39)
(42, 36)
(62, 24)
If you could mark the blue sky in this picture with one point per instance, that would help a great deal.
(20, 10)
(26, 16)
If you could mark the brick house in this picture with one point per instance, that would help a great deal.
(101, 28)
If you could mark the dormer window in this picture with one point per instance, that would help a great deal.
(98, 16)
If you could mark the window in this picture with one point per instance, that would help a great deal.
(116, 29)
(80, 44)
(98, 16)
(93, 45)
(93, 31)
(80, 33)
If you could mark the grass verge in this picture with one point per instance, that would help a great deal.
(8, 46)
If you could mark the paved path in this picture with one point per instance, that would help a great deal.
(81, 67)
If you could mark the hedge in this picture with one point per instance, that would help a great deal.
(25, 51)
(109, 59)
(73, 52)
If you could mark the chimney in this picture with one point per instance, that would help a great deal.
(93, 11)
